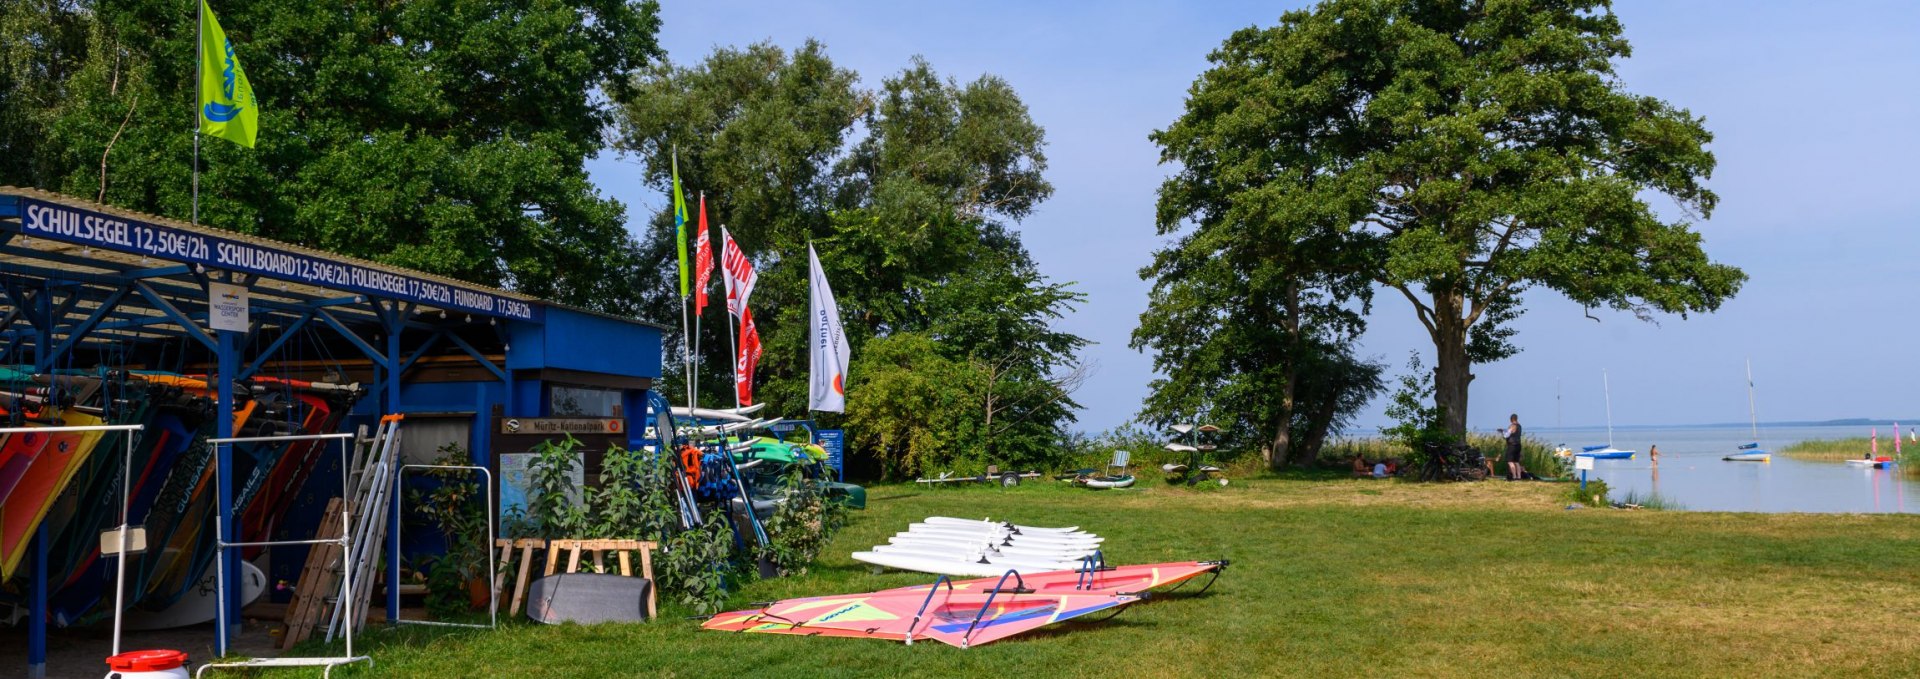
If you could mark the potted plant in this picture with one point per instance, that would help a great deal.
(454, 508)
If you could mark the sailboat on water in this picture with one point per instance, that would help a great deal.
(1606, 452)
(1751, 452)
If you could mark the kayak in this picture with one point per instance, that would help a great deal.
(1881, 462)
(1107, 481)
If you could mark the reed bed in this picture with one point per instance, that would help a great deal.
(1536, 455)
(1840, 450)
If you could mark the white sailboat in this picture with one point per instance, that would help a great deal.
(1606, 452)
(1751, 452)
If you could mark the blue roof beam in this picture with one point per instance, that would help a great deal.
(74, 333)
(272, 348)
(327, 316)
(183, 320)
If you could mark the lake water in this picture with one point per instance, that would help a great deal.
(1692, 474)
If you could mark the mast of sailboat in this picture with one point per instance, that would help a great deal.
(1607, 386)
(1753, 419)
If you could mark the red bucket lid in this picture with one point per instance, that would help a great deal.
(147, 661)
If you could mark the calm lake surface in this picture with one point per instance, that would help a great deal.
(1692, 474)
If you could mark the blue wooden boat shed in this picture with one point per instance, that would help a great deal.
(86, 284)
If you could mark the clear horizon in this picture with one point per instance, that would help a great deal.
(1810, 126)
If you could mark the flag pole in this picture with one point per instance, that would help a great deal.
(199, 22)
(691, 366)
(686, 351)
(733, 345)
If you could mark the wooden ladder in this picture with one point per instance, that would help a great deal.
(317, 580)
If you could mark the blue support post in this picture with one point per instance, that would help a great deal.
(395, 321)
(229, 624)
(43, 358)
(37, 630)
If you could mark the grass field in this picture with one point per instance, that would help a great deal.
(1330, 577)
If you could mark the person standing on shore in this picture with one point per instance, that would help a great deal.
(1514, 471)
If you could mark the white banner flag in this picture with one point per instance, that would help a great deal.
(737, 271)
(830, 353)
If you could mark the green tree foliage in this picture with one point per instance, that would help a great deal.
(1463, 151)
(447, 136)
(907, 193)
(1253, 306)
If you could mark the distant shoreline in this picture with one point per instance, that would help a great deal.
(1909, 423)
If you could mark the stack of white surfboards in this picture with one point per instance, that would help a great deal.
(982, 549)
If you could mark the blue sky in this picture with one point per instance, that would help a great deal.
(1814, 108)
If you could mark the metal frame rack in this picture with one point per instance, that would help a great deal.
(223, 626)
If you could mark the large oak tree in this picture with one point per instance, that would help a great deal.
(1459, 152)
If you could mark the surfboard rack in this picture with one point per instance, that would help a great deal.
(345, 541)
(493, 574)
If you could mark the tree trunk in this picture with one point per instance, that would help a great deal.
(1282, 449)
(1279, 454)
(1452, 370)
(1322, 420)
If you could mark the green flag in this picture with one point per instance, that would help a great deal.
(680, 225)
(227, 107)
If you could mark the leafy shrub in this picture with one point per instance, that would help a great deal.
(694, 565)
(551, 510)
(1595, 494)
(800, 526)
(1417, 424)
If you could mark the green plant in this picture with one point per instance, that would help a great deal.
(553, 502)
(1416, 424)
(454, 508)
(694, 565)
(1650, 501)
(801, 525)
(1594, 494)
(635, 498)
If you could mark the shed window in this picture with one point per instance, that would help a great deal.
(423, 437)
(571, 401)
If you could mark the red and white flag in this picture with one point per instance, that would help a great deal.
(737, 272)
(702, 261)
(749, 358)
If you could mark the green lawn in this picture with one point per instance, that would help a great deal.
(1330, 577)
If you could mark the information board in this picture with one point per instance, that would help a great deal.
(516, 438)
(834, 441)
